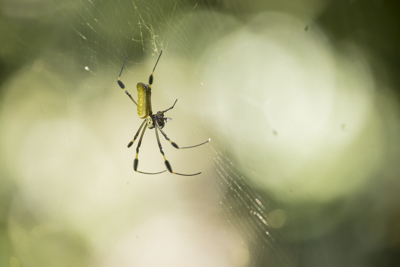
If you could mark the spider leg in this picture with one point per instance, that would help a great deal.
(175, 145)
(137, 133)
(165, 159)
(151, 78)
(170, 107)
(136, 161)
(121, 84)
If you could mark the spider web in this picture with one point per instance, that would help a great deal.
(104, 32)
(112, 30)
(144, 28)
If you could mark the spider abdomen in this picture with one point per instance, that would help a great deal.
(144, 100)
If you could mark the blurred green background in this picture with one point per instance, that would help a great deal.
(299, 98)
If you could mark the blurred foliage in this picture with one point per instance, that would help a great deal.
(46, 47)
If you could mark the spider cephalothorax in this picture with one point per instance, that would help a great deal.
(159, 118)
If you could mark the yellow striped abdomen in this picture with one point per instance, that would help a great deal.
(144, 100)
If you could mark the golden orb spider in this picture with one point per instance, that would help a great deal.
(151, 120)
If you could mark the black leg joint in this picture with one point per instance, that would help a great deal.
(175, 145)
(121, 84)
(151, 79)
(135, 164)
(168, 166)
(130, 144)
